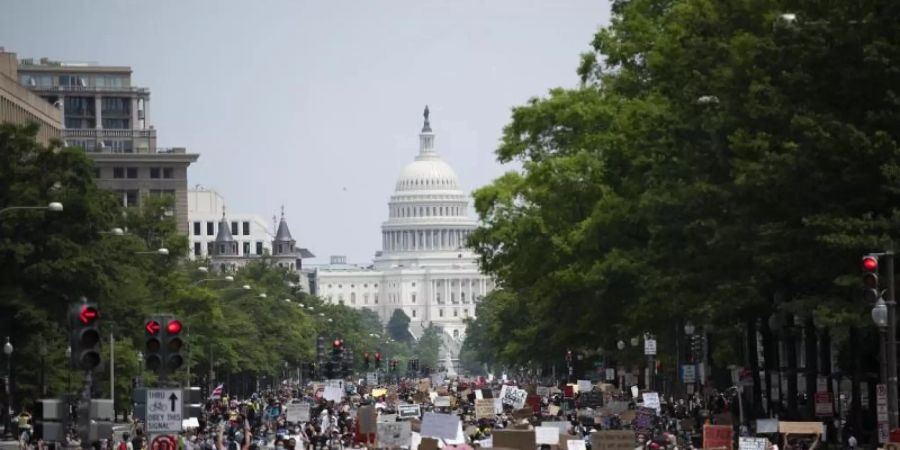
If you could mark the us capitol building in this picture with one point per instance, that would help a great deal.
(424, 267)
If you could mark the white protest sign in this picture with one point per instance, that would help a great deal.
(584, 386)
(335, 383)
(372, 378)
(333, 394)
(546, 435)
(479, 394)
(650, 347)
(514, 397)
(393, 434)
(387, 418)
(498, 406)
(561, 427)
(543, 391)
(766, 426)
(576, 444)
(440, 426)
(610, 374)
(297, 412)
(651, 400)
(442, 401)
(164, 410)
(635, 391)
(748, 443)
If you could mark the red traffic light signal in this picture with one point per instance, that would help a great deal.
(366, 356)
(152, 327)
(88, 314)
(338, 343)
(174, 327)
(870, 263)
(377, 356)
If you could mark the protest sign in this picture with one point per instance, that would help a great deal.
(514, 397)
(515, 439)
(409, 411)
(543, 391)
(612, 440)
(484, 408)
(366, 417)
(442, 402)
(766, 426)
(584, 386)
(440, 426)
(553, 410)
(749, 443)
(498, 406)
(617, 406)
(591, 399)
(546, 435)
(717, 436)
(824, 404)
(424, 385)
(387, 418)
(297, 412)
(643, 419)
(333, 394)
(576, 444)
(428, 444)
(393, 434)
(651, 400)
(379, 392)
(563, 427)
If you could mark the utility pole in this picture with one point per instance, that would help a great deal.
(891, 341)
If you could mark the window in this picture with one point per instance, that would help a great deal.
(365, 299)
(131, 198)
(441, 312)
(197, 248)
(438, 297)
(353, 298)
(455, 334)
(154, 172)
(414, 313)
(196, 228)
(246, 226)
(131, 172)
(453, 297)
(259, 248)
(168, 172)
(209, 248)
(210, 228)
(246, 248)
(414, 284)
(96, 172)
(375, 299)
(118, 172)
(462, 296)
(340, 286)
(413, 297)
(234, 228)
(466, 312)
(455, 313)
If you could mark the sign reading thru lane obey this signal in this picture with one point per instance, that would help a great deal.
(163, 410)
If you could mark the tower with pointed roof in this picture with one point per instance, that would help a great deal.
(225, 254)
(284, 247)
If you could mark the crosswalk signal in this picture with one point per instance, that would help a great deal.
(85, 337)
(377, 360)
(366, 360)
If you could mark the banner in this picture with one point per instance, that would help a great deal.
(717, 436)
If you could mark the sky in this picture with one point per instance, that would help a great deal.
(317, 104)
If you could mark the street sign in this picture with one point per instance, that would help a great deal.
(688, 373)
(650, 347)
(164, 410)
(372, 378)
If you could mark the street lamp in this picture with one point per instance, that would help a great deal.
(8, 351)
(114, 232)
(160, 251)
(689, 328)
(262, 295)
(228, 278)
(635, 341)
(880, 314)
(52, 207)
(620, 345)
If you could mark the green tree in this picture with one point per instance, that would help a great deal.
(398, 326)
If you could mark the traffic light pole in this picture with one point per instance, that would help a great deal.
(891, 342)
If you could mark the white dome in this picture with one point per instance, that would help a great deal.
(427, 172)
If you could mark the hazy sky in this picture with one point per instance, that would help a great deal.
(318, 104)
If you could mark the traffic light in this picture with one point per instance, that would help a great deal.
(337, 358)
(377, 360)
(85, 337)
(172, 345)
(320, 351)
(366, 360)
(871, 293)
(152, 345)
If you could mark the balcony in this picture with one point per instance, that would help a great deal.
(93, 133)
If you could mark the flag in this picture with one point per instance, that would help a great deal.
(217, 392)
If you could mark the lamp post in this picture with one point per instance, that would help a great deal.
(160, 251)
(68, 369)
(52, 207)
(8, 351)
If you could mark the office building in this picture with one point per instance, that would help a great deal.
(19, 105)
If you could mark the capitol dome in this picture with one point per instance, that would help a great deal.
(428, 212)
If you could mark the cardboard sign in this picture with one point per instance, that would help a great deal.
(562, 427)
(484, 408)
(748, 443)
(297, 412)
(409, 411)
(800, 427)
(576, 444)
(440, 426)
(717, 436)
(824, 404)
(552, 410)
(651, 400)
(428, 444)
(523, 413)
(393, 434)
(367, 419)
(519, 440)
(546, 435)
(333, 394)
(766, 426)
(543, 391)
(613, 440)
(442, 402)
